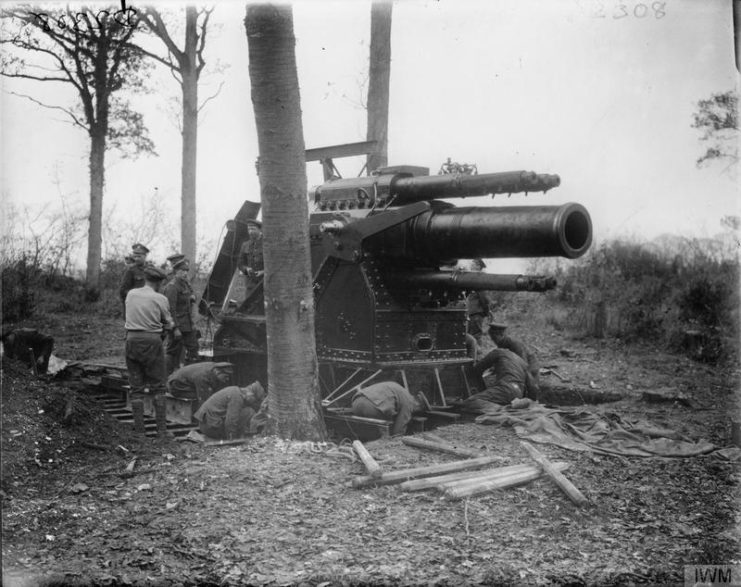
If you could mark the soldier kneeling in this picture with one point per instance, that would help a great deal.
(29, 346)
(227, 413)
(386, 401)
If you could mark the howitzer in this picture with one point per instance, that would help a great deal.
(389, 302)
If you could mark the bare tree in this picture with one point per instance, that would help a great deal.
(379, 82)
(293, 389)
(186, 65)
(91, 53)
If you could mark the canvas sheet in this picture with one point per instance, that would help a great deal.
(582, 430)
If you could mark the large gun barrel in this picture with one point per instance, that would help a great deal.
(472, 280)
(404, 188)
(446, 233)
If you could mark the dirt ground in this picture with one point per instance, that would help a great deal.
(272, 512)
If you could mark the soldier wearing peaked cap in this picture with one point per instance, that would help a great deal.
(183, 342)
(133, 277)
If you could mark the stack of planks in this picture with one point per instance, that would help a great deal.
(465, 478)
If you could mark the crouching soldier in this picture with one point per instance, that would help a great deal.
(227, 413)
(504, 377)
(199, 380)
(497, 333)
(386, 401)
(29, 346)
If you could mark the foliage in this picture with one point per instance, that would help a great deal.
(717, 119)
(681, 293)
(94, 58)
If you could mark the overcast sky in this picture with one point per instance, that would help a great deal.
(600, 92)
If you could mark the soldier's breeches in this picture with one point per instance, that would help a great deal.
(145, 362)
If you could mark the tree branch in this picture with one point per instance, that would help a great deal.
(202, 40)
(207, 100)
(50, 107)
(160, 29)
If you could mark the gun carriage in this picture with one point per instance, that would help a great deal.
(389, 302)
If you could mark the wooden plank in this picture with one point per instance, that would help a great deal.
(396, 477)
(371, 465)
(446, 448)
(486, 486)
(566, 486)
(448, 479)
(491, 474)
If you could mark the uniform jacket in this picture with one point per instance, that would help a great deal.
(506, 371)
(393, 401)
(223, 409)
(180, 295)
(197, 379)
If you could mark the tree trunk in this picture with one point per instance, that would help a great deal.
(95, 227)
(190, 137)
(293, 387)
(378, 83)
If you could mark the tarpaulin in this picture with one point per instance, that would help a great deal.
(582, 430)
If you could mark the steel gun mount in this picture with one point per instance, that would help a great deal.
(389, 304)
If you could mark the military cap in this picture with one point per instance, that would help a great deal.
(478, 263)
(224, 366)
(154, 273)
(175, 259)
(497, 326)
(182, 264)
(253, 222)
(139, 248)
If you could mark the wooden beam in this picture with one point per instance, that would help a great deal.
(486, 486)
(373, 468)
(446, 448)
(396, 477)
(566, 486)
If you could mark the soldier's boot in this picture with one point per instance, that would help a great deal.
(160, 415)
(137, 409)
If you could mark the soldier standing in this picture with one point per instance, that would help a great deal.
(134, 275)
(250, 256)
(147, 316)
(183, 340)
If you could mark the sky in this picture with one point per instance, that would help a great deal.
(601, 92)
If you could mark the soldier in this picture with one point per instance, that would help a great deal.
(227, 413)
(504, 377)
(199, 380)
(250, 255)
(386, 401)
(498, 336)
(147, 315)
(479, 307)
(179, 293)
(29, 346)
(134, 275)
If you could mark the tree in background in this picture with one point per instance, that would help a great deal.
(90, 52)
(378, 83)
(186, 64)
(293, 390)
(717, 119)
